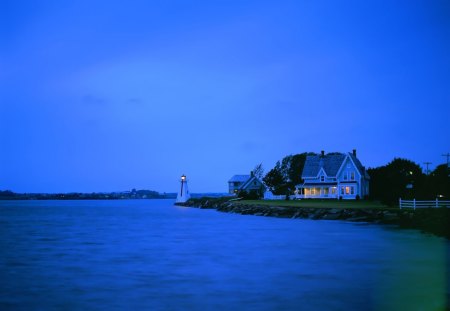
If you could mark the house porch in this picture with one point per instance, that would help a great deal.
(314, 191)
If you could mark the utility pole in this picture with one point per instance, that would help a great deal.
(427, 163)
(448, 156)
(448, 169)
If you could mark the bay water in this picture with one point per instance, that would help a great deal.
(152, 255)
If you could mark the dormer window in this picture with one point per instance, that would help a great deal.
(322, 178)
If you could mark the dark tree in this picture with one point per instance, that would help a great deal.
(258, 171)
(274, 180)
(400, 178)
(438, 182)
(286, 174)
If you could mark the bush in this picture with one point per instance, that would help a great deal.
(252, 195)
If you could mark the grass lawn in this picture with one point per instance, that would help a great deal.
(321, 203)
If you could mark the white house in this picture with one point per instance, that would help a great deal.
(333, 176)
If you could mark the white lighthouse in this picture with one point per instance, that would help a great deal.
(183, 195)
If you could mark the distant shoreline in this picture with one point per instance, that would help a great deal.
(122, 195)
(430, 220)
(133, 194)
(83, 199)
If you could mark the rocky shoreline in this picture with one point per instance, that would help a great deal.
(431, 220)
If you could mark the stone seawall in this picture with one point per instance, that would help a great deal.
(432, 220)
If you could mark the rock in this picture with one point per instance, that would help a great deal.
(387, 216)
(360, 218)
(436, 221)
(331, 216)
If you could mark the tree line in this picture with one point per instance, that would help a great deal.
(402, 178)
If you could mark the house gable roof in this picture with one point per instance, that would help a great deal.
(249, 182)
(359, 166)
(322, 172)
(330, 164)
(239, 178)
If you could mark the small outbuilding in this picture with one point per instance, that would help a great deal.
(247, 183)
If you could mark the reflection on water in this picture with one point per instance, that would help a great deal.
(151, 255)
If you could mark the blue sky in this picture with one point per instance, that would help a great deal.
(105, 96)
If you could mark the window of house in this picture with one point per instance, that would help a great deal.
(342, 190)
(352, 190)
(333, 190)
(322, 178)
(352, 176)
(313, 191)
(345, 176)
(347, 190)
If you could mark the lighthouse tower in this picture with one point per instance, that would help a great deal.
(183, 195)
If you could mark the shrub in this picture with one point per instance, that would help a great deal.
(252, 195)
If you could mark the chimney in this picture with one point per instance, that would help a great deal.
(354, 152)
(252, 174)
(322, 153)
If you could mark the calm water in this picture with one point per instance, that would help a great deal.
(151, 255)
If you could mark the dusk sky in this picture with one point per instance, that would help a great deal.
(114, 95)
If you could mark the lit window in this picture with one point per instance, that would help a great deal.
(333, 190)
(347, 190)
